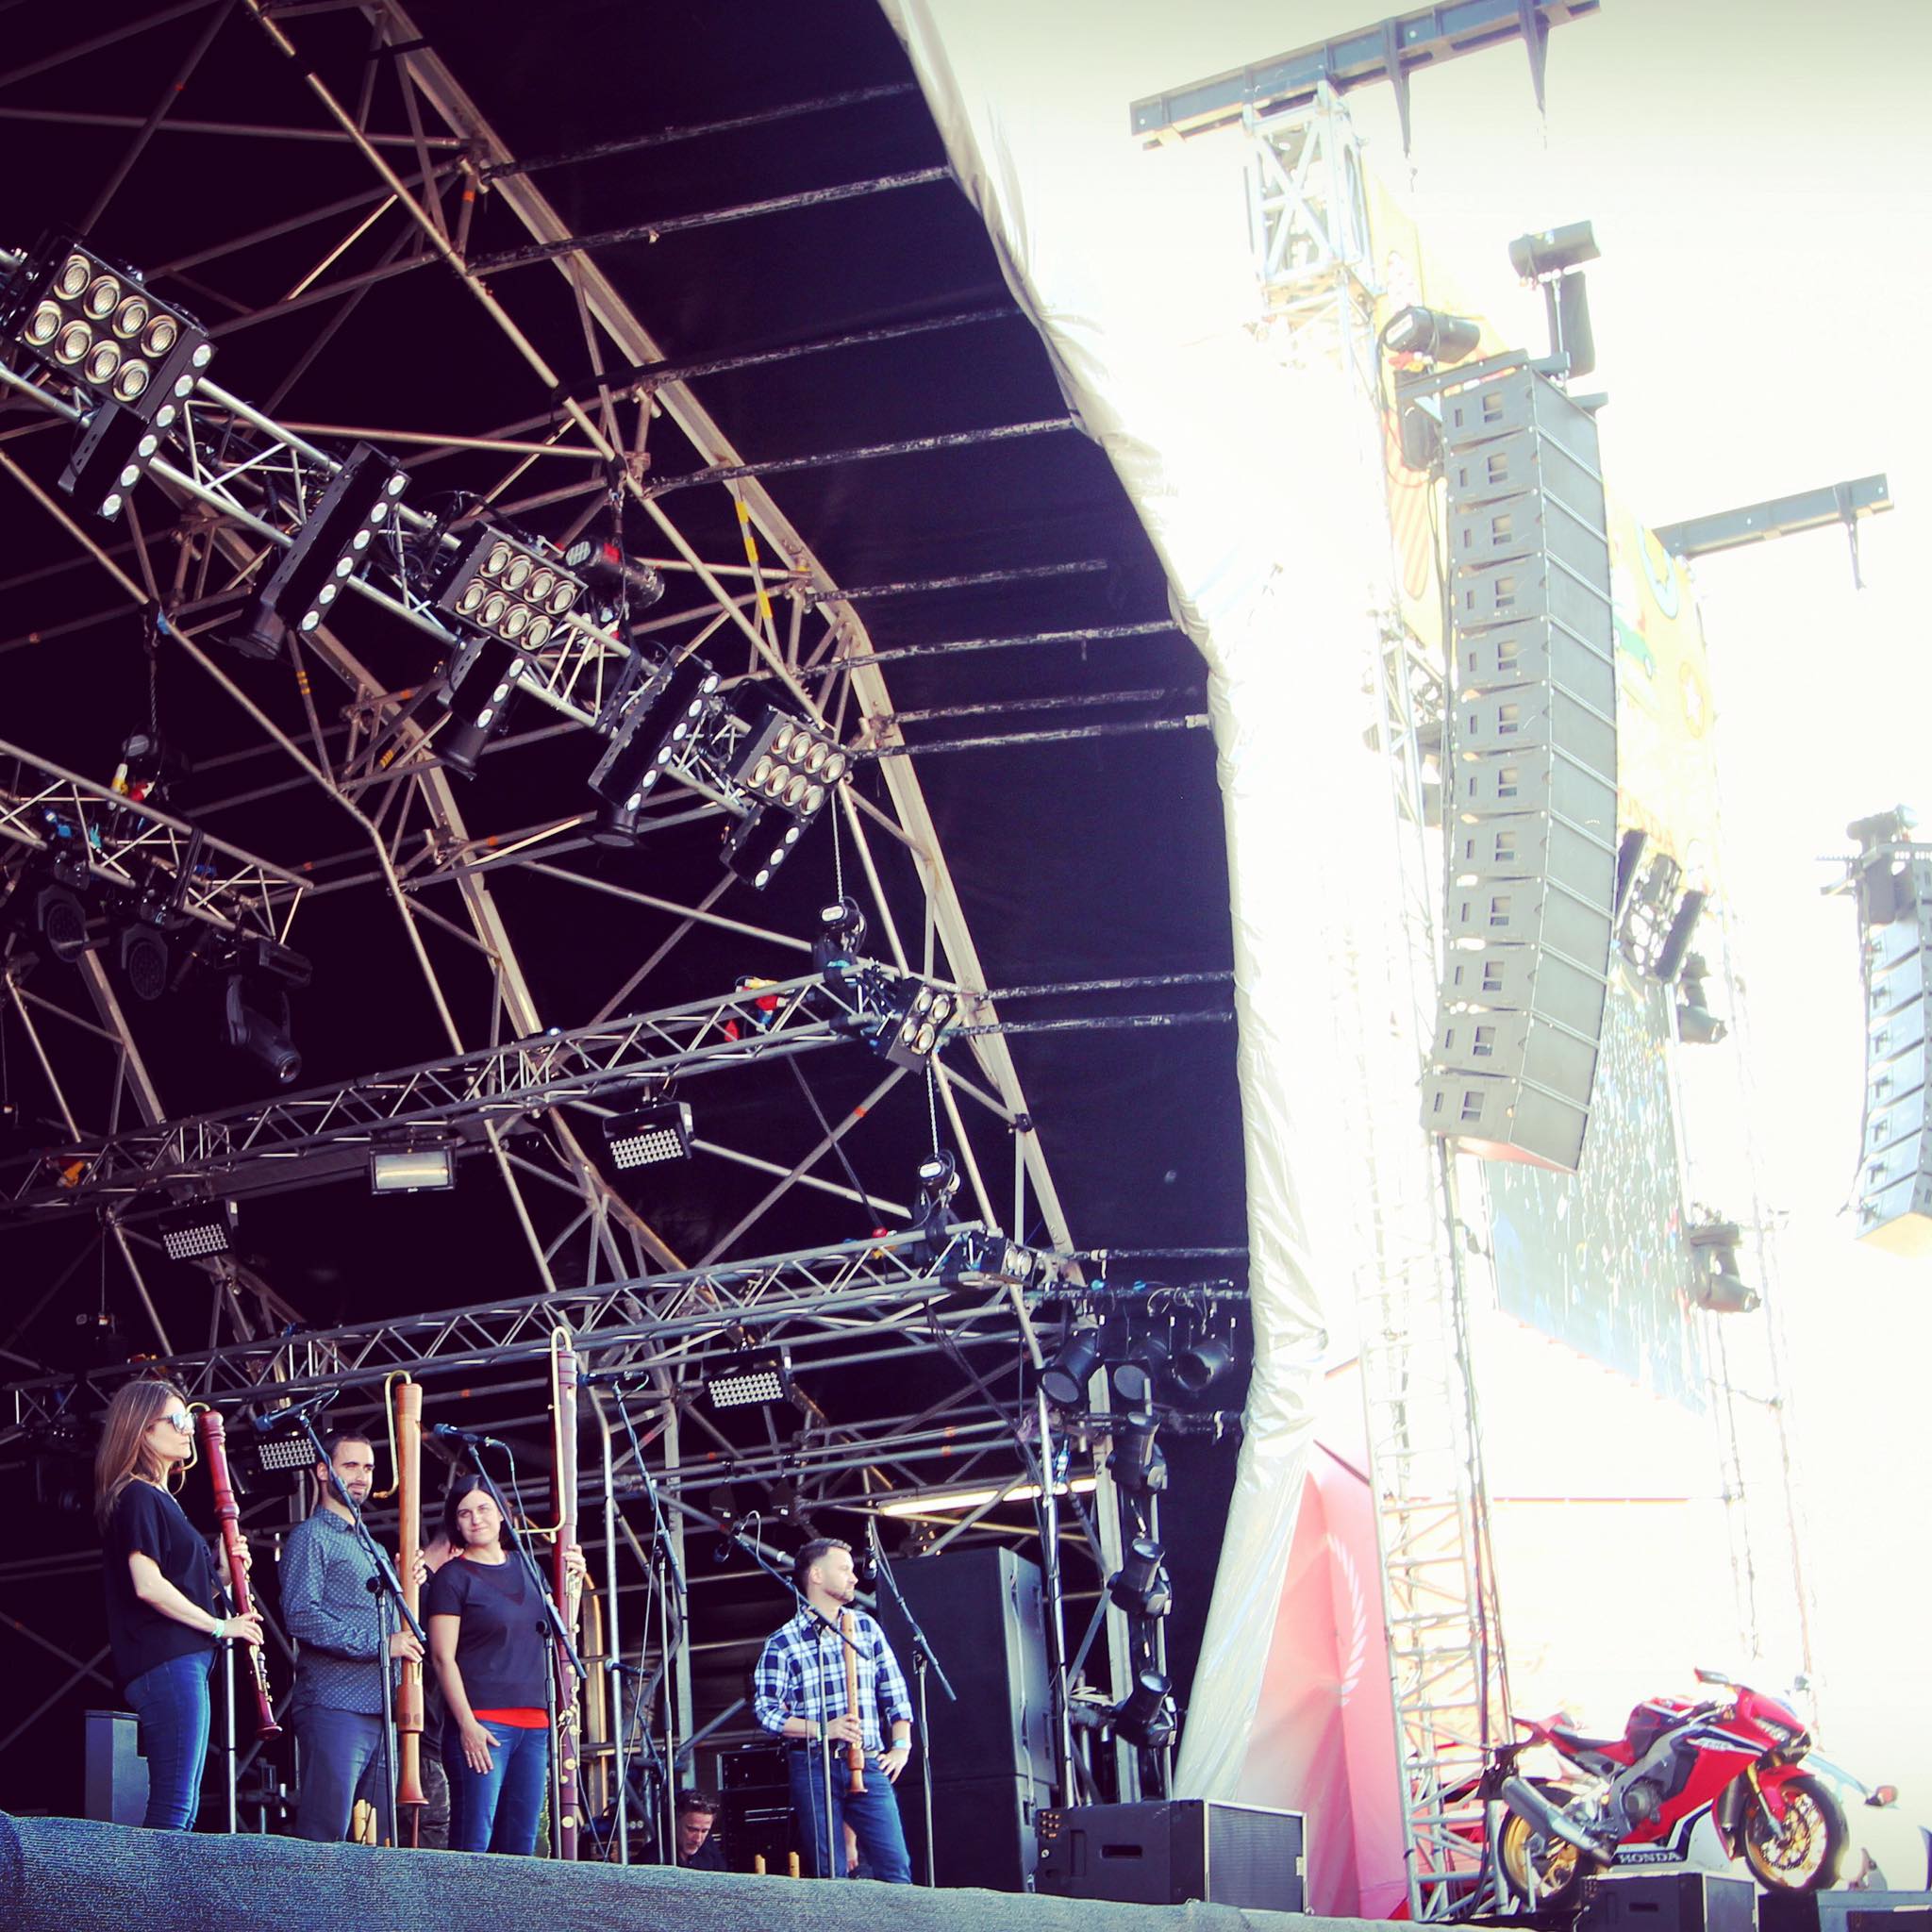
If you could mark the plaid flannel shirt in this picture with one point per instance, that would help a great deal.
(801, 1672)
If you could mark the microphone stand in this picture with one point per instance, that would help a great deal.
(830, 1869)
(923, 1658)
(386, 1586)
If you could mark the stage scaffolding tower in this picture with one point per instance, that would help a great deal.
(1318, 278)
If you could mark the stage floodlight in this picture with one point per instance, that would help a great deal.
(110, 458)
(411, 1170)
(1146, 1715)
(761, 842)
(1065, 1378)
(649, 1136)
(144, 960)
(1432, 335)
(327, 550)
(204, 1227)
(784, 760)
(909, 1020)
(256, 1022)
(509, 589)
(1149, 1352)
(1716, 1285)
(1697, 1026)
(755, 1377)
(616, 584)
(841, 937)
(657, 729)
(1203, 1361)
(481, 684)
(978, 1259)
(1141, 1586)
(97, 325)
(61, 920)
(1552, 251)
(285, 1450)
(1137, 1462)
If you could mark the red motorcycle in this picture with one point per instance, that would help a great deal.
(1635, 1800)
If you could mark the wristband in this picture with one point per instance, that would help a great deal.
(220, 1626)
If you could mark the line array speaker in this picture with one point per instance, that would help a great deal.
(1893, 886)
(1532, 875)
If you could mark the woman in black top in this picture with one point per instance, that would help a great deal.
(491, 1657)
(163, 1614)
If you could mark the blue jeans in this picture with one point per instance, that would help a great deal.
(341, 1762)
(172, 1703)
(496, 1810)
(872, 1814)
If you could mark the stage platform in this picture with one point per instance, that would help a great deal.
(71, 1874)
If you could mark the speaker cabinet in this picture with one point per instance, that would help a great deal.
(984, 1613)
(1846, 1911)
(116, 1772)
(1166, 1853)
(1532, 793)
(985, 1830)
(1669, 1901)
(1894, 1201)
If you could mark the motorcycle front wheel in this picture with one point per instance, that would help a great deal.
(1558, 1868)
(1804, 1851)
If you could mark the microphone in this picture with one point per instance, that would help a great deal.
(612, 1378)
(448, 1432)
(268, 1420)
(728, 1534)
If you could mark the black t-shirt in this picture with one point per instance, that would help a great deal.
(500, 1648)
(149, 1521)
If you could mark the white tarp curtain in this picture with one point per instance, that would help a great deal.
(1250, 477)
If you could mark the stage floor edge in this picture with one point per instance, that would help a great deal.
(72, 1874)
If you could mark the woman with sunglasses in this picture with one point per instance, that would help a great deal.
(164, 1614)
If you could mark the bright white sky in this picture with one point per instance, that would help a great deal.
(1755, 171)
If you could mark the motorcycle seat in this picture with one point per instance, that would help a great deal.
(1579, 1741)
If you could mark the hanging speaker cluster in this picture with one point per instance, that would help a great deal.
(1532, 876)
(1892, 882)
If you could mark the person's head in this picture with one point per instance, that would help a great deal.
(471, 1519)
(437, 1548)
(697, 1811)
(146, 1432)
(825, 1564)
(353, 1458)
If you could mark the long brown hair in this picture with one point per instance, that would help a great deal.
(124, 1454)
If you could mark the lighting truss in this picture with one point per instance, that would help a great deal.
(855, 1301)
(281, 1143)
(142, 851)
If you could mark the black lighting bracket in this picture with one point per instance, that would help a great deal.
(1781, 516)
(1391, 50)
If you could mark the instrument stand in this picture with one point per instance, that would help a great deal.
(924, 1658)
(672, 1598)
(386, 1587)
(386, 1783)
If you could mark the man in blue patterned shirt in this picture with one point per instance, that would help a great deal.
(799, 1693)
(343, 1628)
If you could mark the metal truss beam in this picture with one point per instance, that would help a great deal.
(300, 1138)
(134, 848)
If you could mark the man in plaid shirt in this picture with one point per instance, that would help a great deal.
(799, 1693)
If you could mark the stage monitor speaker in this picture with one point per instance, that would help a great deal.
(986, 1830)
(1168, 1852)
(116, 1790)
(1669, 1901)
(984, 1613)
(1894, 1201)
(1532, 890)
(1845, 1911)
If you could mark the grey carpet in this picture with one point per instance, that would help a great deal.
(71, 1874)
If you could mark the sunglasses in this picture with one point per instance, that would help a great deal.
(179, 1419)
